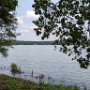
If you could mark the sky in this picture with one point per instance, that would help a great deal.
(25, 16)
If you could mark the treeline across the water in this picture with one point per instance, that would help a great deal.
(35, 43)
(17, 42)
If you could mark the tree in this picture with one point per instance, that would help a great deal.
(7, 24)
(69, 21)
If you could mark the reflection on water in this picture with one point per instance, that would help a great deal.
(57, 67)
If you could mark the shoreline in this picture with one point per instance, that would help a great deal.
(46, 79)
(14, 83)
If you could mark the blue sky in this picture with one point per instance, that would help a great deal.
(25, 16)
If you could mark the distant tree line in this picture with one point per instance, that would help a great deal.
(17, 42)
(36, 43)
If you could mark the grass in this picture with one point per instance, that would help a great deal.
(12, 83)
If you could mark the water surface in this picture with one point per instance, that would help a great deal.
(44, 59)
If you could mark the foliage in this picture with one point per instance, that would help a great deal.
(69, 21)
(7, 24)
(35, 43)
(11, 83)
(15, 69)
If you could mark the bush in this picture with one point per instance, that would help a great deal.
(15, 69)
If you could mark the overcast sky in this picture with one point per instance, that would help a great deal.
(25, 17)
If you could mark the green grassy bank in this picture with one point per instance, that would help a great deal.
(11, 83)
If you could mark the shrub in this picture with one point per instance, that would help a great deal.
(15, 69)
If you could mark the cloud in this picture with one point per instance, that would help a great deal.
(20, 20)
(31, 14)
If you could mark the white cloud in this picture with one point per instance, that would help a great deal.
(20, 20)
(31, 15)
(25, 28)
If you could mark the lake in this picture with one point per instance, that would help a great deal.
(56, 66)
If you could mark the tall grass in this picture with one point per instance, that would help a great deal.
(15, 69)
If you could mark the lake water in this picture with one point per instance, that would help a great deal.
(44, 59)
